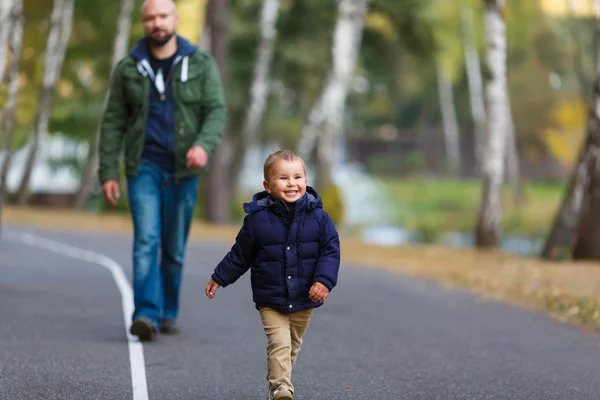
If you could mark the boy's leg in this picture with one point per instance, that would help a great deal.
(299, 322)
(144, 194)
(279, 347)
(177, 214)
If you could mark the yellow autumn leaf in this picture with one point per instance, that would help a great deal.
(566, 131)
(382, 24)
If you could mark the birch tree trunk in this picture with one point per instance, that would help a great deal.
(88, 176)
(596, 4)
(16, 42)
(449, 124)
(328, 112)
(61, 22)
(489, 227)
(205, 38)
(259, 92)
(218, 196)
(475, 83)
(6, 6)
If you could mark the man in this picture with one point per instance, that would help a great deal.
(166, 105)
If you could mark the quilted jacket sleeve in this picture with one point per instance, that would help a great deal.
(238, 260)
(112, 129)
(328, 263)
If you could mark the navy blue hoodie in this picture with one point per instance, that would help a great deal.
(159, 144)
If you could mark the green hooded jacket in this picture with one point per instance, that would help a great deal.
(200, 113)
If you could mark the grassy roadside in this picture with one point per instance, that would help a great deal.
(438, 206)
(568, 291)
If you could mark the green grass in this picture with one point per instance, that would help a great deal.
(435, 206)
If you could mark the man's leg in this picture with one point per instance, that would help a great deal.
(144, 192)
(177, 214)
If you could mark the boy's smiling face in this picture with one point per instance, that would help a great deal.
(286, 180)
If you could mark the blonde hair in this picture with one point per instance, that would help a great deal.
(286, 155)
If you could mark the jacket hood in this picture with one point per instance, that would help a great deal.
(263, 200)
(140, 51)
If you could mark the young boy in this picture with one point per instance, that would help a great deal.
(292, 249)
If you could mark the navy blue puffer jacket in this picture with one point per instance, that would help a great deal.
(285, 253)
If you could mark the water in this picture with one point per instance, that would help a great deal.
(390, 235)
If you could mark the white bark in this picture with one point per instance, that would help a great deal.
(328, 111)
(259, 92)
(308, 138)
(475, 80)
(88, 177)
(490, 217)
(16, 42)
(61, 22)
(204, 40)
(6, 6)
(449, 123)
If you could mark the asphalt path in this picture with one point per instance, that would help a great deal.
(380, 335)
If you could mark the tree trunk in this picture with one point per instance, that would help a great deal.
(449, 124)
(587, 241)
(475, 81)
(513, 165)
(259, 92)
(218, 194)
(88, 176)
(489, 225)
(16, 42)
(563, 235)
(205, 38)
(56, 47)
(328, 112)
(5, 29)
(596, 4)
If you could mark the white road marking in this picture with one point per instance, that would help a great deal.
(136, 351)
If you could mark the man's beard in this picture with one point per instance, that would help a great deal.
(162, 41)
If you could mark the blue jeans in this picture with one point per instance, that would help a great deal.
(162, 212)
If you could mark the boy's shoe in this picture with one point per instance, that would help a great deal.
(144, 329)
(282, 393)
(168, 327)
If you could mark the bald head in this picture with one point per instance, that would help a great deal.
(160, 19)
(160, 3)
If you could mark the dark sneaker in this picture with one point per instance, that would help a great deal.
(168, 327)
(144, 329)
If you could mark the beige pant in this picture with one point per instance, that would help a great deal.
(284, 338)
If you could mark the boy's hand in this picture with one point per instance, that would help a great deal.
(318, 292)
(211, 288)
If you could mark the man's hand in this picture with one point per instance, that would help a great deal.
(211, 289)
(110, 189)
(318, 292)
(197, 157)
